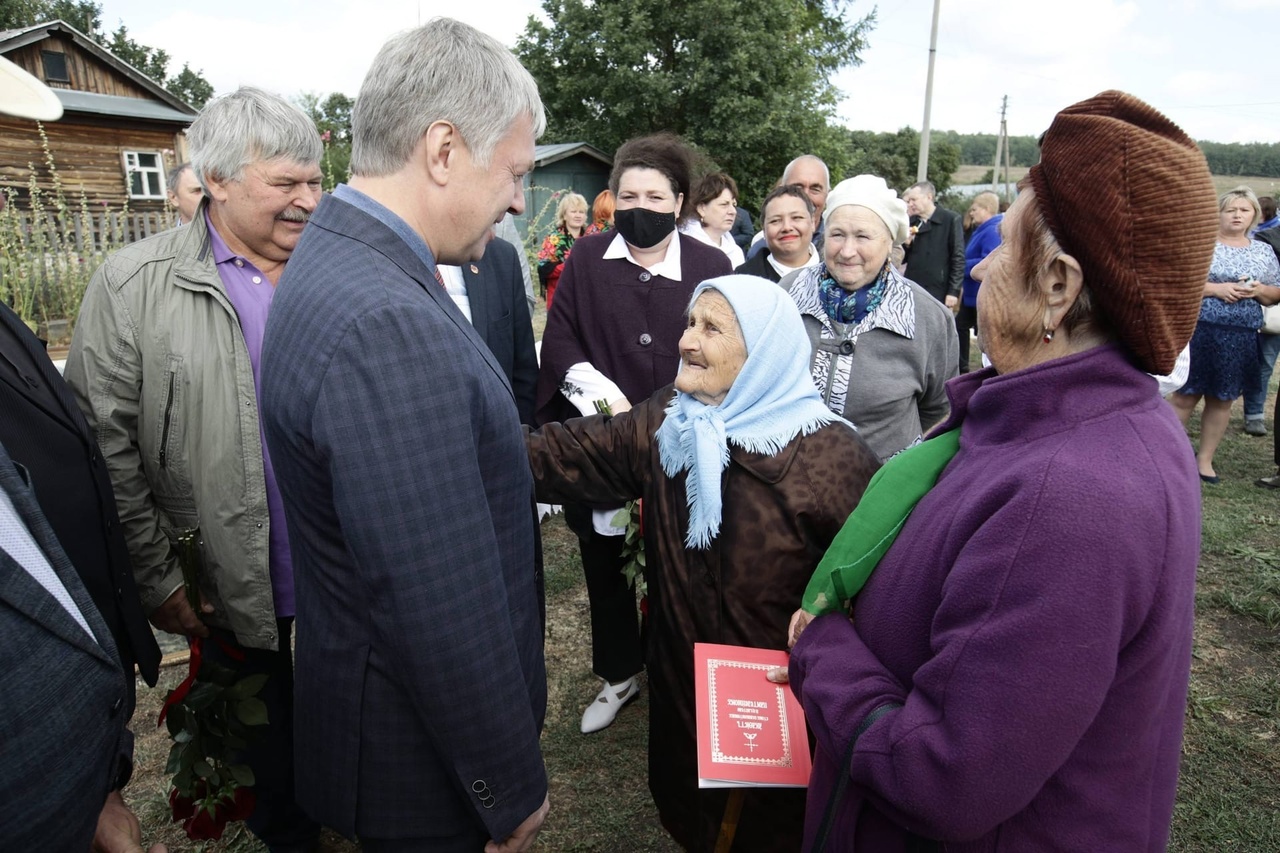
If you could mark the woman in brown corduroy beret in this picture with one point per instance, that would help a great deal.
(1015, 672)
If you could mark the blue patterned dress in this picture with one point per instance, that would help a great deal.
(1224, 348)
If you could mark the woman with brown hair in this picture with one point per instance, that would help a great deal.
(713, 210)
(612, 340)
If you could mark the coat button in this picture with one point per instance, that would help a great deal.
(644, 276)
(846, 348)
(646, 339)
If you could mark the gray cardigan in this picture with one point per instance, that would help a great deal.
(895, 390)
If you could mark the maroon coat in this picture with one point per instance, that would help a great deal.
(780, 513)
(620, 318)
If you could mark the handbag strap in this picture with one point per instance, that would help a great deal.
(837, 793)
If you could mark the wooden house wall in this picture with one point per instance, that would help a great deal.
(87, 153)
(87, 72)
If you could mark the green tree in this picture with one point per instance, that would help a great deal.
(894, 156)
(746, 82)
(190, 86)
(332, 116)
(86, 16)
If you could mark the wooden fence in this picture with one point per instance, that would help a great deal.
(48, 259)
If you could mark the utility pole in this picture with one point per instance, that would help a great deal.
(923, 169)
(1002, 146)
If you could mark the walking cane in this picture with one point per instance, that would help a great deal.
(729, 826)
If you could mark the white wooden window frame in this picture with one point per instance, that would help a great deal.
(152, 177)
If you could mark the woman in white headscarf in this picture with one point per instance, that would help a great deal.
(882, 347)
(746, 477)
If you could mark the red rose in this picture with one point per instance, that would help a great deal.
(206, 824)
(242, 803)
(182, 806)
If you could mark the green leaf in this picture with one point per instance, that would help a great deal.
(175, 760)
(202, 769)
(247, 686)
(243, 774)
(620, 518)
(183, 736)
(252, 711)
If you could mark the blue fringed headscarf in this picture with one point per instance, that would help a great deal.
(772, 400)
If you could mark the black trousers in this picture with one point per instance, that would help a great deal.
(616, 652)
(277, 820)
(966, 319)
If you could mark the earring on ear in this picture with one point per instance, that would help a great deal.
(1048, 335)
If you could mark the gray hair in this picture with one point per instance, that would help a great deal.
(800, 159)
(925, 187)
(248, 126)
(441, 71)
(175, 173)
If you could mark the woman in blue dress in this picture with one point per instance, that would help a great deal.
(1224, 349)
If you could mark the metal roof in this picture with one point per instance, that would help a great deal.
(11, 40)
(544, 155)
(114, 105)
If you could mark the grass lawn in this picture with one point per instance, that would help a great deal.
(1229, 797)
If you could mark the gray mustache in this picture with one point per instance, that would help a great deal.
(293, 214)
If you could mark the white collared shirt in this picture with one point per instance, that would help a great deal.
(727, 244)
(782, 269)
(456, 285)
(16, 541)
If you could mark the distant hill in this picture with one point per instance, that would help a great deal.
(1255, 159)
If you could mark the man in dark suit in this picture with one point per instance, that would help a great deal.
(935, 255)
(421, 682)
(490, 292)
(71, 624)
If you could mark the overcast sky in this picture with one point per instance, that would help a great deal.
(1208, 64)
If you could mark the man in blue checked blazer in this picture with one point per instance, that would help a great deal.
(421, 683)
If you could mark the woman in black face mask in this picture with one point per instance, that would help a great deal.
(612, 338)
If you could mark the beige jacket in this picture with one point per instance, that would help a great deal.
(160, 368)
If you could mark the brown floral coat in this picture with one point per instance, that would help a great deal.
(780, 513)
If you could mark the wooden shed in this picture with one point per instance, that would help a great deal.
(575, 166)
(120, 133)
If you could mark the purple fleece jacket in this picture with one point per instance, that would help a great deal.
(1019, 659)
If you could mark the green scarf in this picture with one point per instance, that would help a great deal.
(875, 523)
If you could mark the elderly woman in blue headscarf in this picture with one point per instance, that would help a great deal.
(746, 478)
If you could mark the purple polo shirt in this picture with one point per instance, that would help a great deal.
(251, 292)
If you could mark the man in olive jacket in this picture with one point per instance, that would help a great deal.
(164, 364)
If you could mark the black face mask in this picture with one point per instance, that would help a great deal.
(643, 228)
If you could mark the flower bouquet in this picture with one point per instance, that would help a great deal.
(212, 717)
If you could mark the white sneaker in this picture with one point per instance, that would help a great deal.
(608, 703)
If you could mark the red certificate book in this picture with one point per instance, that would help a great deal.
(750, 731)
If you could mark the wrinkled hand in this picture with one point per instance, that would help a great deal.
(799, 621)
(118, 829)
(522, 838)
(778, 675)
(177, 617)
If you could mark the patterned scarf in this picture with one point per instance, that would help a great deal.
(895, 312)
(844, 306)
